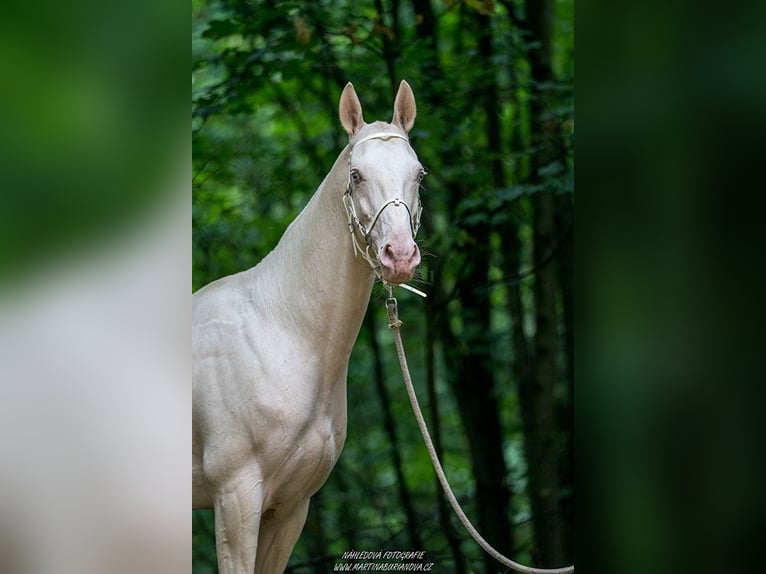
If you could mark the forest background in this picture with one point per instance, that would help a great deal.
(491, 348)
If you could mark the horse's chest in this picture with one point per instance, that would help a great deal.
(307, 426)
(306, 462)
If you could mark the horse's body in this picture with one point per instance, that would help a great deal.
(272, 344)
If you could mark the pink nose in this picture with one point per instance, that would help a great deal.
(398, 261)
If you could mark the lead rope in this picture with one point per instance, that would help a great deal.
(395, 324)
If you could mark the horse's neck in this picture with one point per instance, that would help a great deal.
(315, 282)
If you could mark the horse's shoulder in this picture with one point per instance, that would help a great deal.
(217, 299)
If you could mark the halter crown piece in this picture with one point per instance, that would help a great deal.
(348, 203)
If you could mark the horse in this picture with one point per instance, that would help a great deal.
(271, 344)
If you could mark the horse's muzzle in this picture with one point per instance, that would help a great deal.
(398, 261)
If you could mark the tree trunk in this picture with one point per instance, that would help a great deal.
(474, 388)
(564, 229)
(426, 31)
(390, 426)
(537, 391)
(564, 224)
(315, 533)
(388, 35)
(491, 107)
(445, 510)
(537, 400)
(348, 516)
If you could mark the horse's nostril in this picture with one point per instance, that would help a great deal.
(396, 256)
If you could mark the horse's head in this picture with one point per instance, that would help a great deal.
(382, 199)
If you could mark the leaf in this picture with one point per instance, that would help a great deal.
(219, 29)
(483, 7)
(510, 194)
(302, 31)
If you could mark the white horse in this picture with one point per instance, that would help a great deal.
(272, 344)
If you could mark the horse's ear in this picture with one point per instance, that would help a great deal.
(404, 107)
(350, 110)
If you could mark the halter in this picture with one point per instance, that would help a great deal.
(348, 203)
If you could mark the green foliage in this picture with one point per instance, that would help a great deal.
(266, 77)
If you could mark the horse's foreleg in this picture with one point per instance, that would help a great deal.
(277, 539)
(238, 505)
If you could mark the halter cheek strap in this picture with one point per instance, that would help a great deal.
(353, 219)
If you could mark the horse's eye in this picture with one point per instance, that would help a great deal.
(355, 177)
(421, 175)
